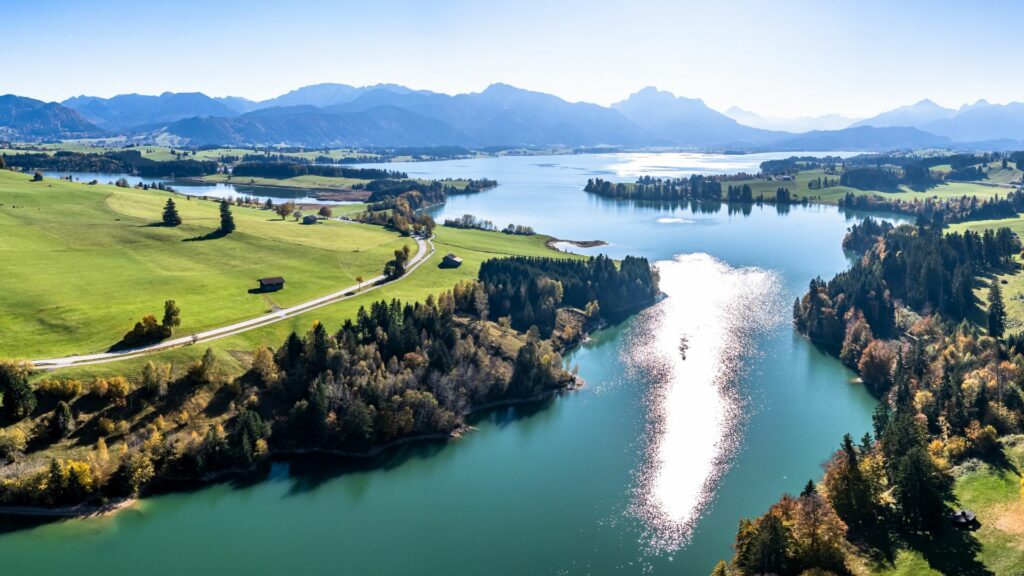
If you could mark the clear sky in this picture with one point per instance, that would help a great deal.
(784, 57)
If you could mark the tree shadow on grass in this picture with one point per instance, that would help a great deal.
(208, 236)
(951, 551)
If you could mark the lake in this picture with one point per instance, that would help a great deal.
(698, 411)
(193, 188)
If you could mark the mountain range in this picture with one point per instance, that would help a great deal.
(797, 124)
(501, 115)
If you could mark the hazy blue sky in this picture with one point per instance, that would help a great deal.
(780, 58)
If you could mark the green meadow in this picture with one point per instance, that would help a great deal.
(83, 263)
(473, 246)
(305, 182)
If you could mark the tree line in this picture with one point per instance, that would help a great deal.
(530, 291)
(292, 169)
(129, 161)
(925, 269)
(934, 211)
(469, 221)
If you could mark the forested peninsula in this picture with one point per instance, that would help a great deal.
(904, 316)
(397, 372)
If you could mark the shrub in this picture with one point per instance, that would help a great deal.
(65, 389)
(105, 426)
(13, 442)
(62, 423)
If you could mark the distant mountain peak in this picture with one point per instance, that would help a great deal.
(980, 103)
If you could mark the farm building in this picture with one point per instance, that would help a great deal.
(451, 261)
(271, 284)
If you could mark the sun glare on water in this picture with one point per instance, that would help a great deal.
(692, 347)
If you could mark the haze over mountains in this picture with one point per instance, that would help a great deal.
(499, 116)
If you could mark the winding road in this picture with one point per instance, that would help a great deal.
(425, 248)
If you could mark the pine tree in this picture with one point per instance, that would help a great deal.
(996, 311)
(3, 163)
(227, 221)
(171, 217)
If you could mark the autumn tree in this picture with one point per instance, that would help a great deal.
(285, 209)
(135, 471)
(264, 369)
(849, 490)
(155, 377)
(876, 364)
(325, 212)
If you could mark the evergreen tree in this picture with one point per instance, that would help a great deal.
(227, 221)
(917, 488)
(3, 163)
(171, 217)
(809, 489)
(63, 421)
(19, 400)
(996, 311)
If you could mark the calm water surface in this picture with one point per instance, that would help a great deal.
(218, 190)
(646, 470)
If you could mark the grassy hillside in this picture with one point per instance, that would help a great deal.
(83, 263)
(473, 246)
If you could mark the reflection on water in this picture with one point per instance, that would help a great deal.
(663, 165)
(694, 344)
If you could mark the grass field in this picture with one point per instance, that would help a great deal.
(83, 263)
(473, 246)
(833, 194)
(992, 490)
(306, 182)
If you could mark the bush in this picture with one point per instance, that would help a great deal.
(62, 423)
(981, 438)
(146, 332)
(105, 426)
(65, 389)
(12, 444)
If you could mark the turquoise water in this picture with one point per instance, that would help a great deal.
(646, 470)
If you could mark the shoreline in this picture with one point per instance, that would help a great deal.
(551, 243)
(111, 508)
(76, 511)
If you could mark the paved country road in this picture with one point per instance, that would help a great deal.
(425, 248)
